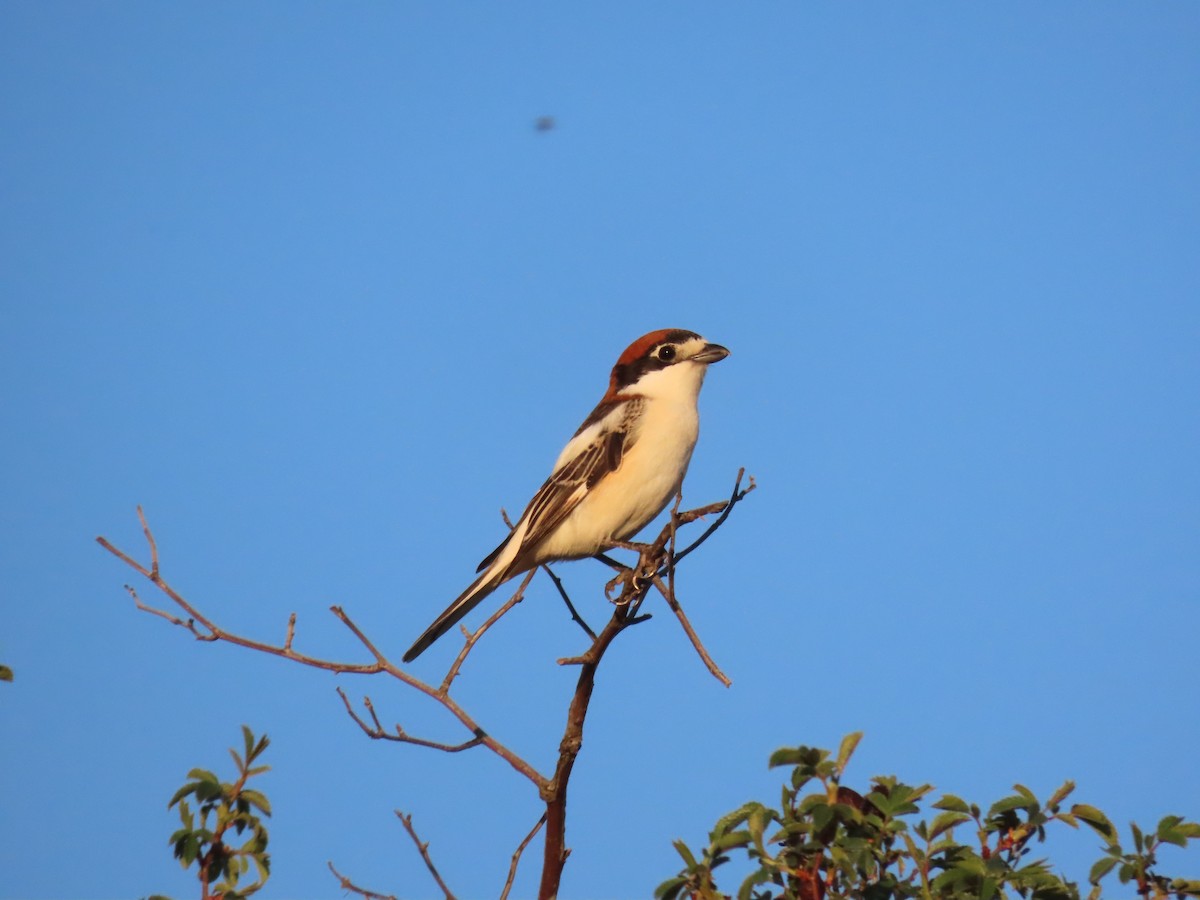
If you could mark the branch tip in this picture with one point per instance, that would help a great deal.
(423, 849)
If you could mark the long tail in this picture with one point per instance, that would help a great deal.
(467, 601)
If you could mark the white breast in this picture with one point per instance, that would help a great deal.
(625, 501)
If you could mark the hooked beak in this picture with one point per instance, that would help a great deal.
(710, 354)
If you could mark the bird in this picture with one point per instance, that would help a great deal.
(619, 470)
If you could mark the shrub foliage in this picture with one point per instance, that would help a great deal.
(827, 841)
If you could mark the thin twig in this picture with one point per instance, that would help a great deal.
(516, 857)
(423, 849)
(347, 885)
(562, 592)
(376, 731)
(473, 636)
(557, 583)
(149, 540)
(610, 562)
(669, 596)
(189, 625)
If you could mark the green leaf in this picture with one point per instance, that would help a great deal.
(689, 858)
(789, 756)
(262, 862)
(207, 790)
(822, 815)
(1098, 822)
(952, 803)
(734, 818)
(746, 891)
(945, 821)
(1174, 830)
(254, 750)
(1016, 801)
(6, 674)
(191, 849)
(758, 820)
(731, 840)
(1102, 868)
(846, 750)
(669, 889)
(258, 799)
(1172, 836)
(1026, 793)
(1061, 794)
(181, 793)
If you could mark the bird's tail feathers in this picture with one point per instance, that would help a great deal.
(467, 601)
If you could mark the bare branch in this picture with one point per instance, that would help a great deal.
(423, 849)
(555, 853)
(381, 664)
(474, 636)
(516, 857)
(215, 633)
(347, 885)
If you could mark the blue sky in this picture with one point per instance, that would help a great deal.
(304, 281)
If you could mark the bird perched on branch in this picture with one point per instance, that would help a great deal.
(619, 471)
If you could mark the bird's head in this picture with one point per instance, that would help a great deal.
(667, 362)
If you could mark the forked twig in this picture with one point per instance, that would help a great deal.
(423, 849)
(189, 625)
(725, 508)
(376, 731)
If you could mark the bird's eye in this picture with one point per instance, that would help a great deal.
(666, 353)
